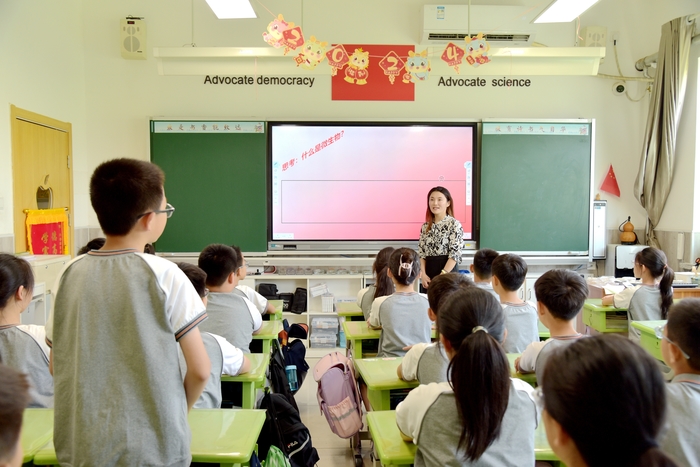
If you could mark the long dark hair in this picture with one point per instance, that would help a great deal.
(472, 321)
(655, 261)
(404, 265)
(14, 272)
(573, 383)
(429, 218)
(382, 282)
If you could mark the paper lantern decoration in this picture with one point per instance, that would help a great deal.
(453, 55)
(610, 183)
(477, 50)
(417, 67)
(277, 26)
(312, 53)
(292, 38)
(356, 72)
(392, 65)
(337, 58)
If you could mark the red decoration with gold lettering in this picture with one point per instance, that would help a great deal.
(453, 56)
(392, 65)
(337, 58)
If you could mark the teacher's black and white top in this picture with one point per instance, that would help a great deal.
(445, 238)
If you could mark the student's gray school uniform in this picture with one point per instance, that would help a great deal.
(645, 305)
(211, 395)
(114, 328)
(404, 320)
(437, 433)
(521, 323)
(683, 420)
(488, 287)
(366, 300)
(230, 318)
(550, 346)
(432, 366)
(21, 351)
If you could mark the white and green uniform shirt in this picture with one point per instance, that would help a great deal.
(113, 328)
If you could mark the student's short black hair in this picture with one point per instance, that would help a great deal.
(218, 261)
(510, 270)
(149, 249)
(563, 292)
(444, 285)
(239, 256)
(121, 190)
(196, 275)
(14, 272)
(482, 262)
(683, 328)
(94, 244)
(14, 397)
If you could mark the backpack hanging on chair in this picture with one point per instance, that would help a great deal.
(338, 394)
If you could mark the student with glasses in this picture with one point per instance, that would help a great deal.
(604, 403)
(680, 348)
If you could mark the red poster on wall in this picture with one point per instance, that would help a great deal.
(363, 79)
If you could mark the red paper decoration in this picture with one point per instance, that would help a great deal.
(337, 58)
(453, 56)
(292, 38)
(392, 65)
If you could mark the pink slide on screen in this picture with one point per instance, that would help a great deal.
(366, 182)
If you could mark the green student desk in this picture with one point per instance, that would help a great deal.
(380, 376)
(219, 436)
(268, 333)
(391, 449)
(604, 318)
(279, 305)
(357, 331)
(353, 315)
(253, 380)
(648, 338)
(529, 378)
(37, 430)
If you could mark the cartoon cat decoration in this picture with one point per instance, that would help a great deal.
(417, 67)
(356, 72)
(312, 53)
(477, 50)
(277, 26)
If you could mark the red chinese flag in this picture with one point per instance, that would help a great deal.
(610, 183)
(374, 84)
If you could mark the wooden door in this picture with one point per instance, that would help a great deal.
(41, 146)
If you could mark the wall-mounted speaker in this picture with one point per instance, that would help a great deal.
(133, 38)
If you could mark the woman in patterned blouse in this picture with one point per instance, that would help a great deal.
(441, 237)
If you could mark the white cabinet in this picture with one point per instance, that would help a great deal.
(37, 312)
(343, 287)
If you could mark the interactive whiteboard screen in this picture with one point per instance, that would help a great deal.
(366, 181)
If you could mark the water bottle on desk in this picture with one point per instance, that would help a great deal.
(291, 371)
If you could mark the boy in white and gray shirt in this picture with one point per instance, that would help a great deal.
(481, 268)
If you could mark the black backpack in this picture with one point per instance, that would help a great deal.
(278, 376)
(299, 302)
(294, 354)
(283, 428)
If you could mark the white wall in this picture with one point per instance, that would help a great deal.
(111, 117)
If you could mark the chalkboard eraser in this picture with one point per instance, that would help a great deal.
(289, 247)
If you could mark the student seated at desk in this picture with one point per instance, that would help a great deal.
(521, 318)
(382, 286)
(560, 297)
(651, 300)
(680, 348)
(14, 397)
(604, 404)
(23, 346)
(481, 268)
(231, 316)
(94, 244)
(260, 302)
(427, 362)
(225, 358)
(403, 315)
(483, 416)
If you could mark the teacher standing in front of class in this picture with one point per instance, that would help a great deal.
(441, 237)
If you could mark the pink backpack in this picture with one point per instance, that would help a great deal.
(338, 394)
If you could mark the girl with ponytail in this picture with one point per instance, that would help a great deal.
(403, 315)
(482, 417)
(586, 425)
(382, 283)
(651, 300)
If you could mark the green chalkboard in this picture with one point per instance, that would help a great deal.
(216, 180)
(535, 187)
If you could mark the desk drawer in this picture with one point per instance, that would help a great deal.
(601, 322)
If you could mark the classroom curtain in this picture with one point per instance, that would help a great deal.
(655, 176)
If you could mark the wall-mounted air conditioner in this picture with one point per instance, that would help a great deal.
(503, 26)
